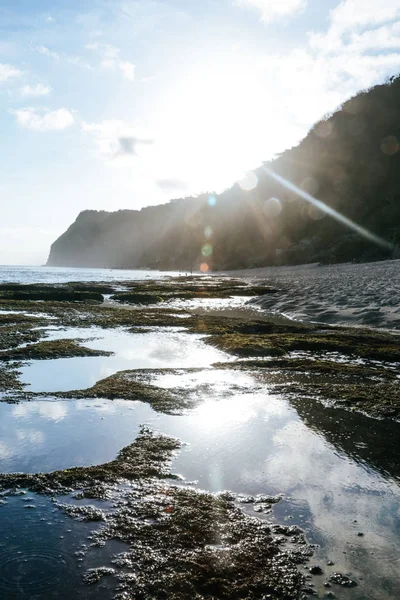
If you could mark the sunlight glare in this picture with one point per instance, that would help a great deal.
(224, 413)
(249, 182)
(325, 208)
(218, 123)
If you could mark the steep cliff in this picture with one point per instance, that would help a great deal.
(350, 161)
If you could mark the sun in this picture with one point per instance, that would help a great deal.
(216, 123)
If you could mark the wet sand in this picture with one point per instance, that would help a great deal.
(354, 294)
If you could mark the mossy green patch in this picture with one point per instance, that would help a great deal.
(17, 334)
(218, 325)
(311, 367)
(51, 349)
(17, 318)
(358, 343)
(68, 314)
(9, 378)
(246, 345)
(380, 399)
(175, 289)
(186, 544)
(126, 385)
(180, 543)
(48, 293)
(148, 456)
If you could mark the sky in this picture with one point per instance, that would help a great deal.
(121, 104)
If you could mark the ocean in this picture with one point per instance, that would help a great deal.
(35, 274)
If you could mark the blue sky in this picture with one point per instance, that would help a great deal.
(108, 104)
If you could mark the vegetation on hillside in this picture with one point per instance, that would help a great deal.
(348, 160)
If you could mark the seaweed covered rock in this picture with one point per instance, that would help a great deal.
(181, 543)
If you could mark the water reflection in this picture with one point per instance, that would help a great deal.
(369, 441)
(152, 350)
(37, 552)
(50, 435)
(336, 479)
(258, 443)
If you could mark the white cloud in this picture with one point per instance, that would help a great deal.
(47, 52)
(273, 10)
(35, 90)
(312, 85)
(386, 37)
(360, 48)
(111, 60)
(360, 23)
(8, 72)
(49, 410)
(44, 119)
(127, 69)
(33, 436)
(115, 139)
(5, 451)
(350, 14)
(68, 58)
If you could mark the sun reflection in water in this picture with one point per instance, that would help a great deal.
(223, 414)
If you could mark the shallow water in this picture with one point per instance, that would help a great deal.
(157, 349)
(339, 475)
(27, 275)
(48, 435)
(338, 472)
(37, 552)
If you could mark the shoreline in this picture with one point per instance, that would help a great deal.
(339, 367)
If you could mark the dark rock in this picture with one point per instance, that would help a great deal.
(343, 580)
(315, 570)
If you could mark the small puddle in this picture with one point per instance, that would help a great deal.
(38, 546)
(153, 350)
(49, 435)
(339, 472)
(339, 476)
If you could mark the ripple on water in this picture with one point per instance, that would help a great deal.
(38, 552)
(34, 557)
(32, 569)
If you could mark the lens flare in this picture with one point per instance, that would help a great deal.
(315, 213)
(390, 145)
(207, 250)
(310, 185)
(208, 232)
(212, 201)
(204, 267)
(249, 182)
(272, 207)
(328, 210)
(323, 129)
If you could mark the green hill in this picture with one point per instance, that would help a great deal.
(350, 161)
